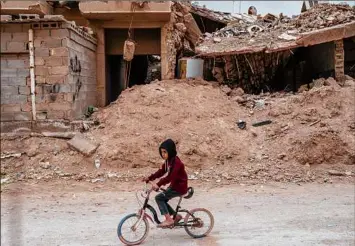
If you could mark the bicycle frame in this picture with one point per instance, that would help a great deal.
(142, 212)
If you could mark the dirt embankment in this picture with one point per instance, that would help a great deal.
(311, 135)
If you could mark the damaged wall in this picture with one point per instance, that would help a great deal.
(349, 52)
(65, 75)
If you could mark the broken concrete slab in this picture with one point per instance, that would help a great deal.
(66, 135)
(83, 145)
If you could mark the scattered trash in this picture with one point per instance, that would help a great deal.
(97, 180)
(45, 165)
(97, 163)
(261, 123)
(218, 181)
(192, 177)
(260, 103)
(242, 124)
(5, 180)
(335, 173)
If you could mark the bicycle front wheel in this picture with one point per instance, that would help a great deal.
(126, 232)
(199, 222)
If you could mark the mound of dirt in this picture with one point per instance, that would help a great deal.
(312, 127)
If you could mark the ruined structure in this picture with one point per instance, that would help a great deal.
(78, 53)
(274, 53)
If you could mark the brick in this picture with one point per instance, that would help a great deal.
(37, 43)
(60, 106)
(23, 72)
(61, 51)
(42, 52)
(20, 36)
(55, 79)
(8, 72)
(39, 80)
(16, 46)
(24, 90)
(69, 97)
(39, 61)
(11, 108)
(59, 70)
(64, 88)
(16, 63)
(23, 116)
(55, 115)
(60, 33)
(53, 61)
(43, 89)
(42, 106)
(41, 70)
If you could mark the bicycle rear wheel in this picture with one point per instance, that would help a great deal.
(200, 222)
(126, 233)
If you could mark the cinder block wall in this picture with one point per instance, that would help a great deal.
(64, 72)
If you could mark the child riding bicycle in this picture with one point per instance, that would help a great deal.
(176, 175)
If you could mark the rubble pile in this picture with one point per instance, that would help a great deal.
(256, 34)
(223, 135)
(213, 15)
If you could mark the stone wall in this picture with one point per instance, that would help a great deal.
(65, 71)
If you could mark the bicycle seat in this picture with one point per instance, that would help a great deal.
(190, 192)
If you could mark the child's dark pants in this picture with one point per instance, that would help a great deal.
(162, 201)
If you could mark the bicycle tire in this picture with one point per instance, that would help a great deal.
(139, 241)
(188, 229)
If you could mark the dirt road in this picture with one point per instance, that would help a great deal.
(276, 214)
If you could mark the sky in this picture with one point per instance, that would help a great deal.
(288, 8)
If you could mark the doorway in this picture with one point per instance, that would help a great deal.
(147, 45)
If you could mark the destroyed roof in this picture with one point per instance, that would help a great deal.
(320, 24)
(217, 16)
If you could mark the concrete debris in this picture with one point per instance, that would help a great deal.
(9, 155)
(65, 135)
(336, 173)
(272, 32)
(82, 144)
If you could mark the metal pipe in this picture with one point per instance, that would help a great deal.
(32, 73)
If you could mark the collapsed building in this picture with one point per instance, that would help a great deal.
(58, 58)
(273, 53)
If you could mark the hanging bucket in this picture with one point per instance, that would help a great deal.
(128, 50)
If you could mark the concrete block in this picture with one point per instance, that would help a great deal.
(52, 43)
(41, 52)
(24, 90)
(83, 145)
(64, 88)
(7, 116)
(60, 106)
(55, 114)
(3, 46)
(59, 70)
(9, 90)
(55, 79)
(53, 61)
(39, 61)
(20, 36)
(61, 51)
(13, 81)
(42, 34)
(23, 72)
(12, 28)
(8, 72)
(16, 63)
(41, 115)
(5, 36)
(60, 33)
(16, 46)
(41, 71)
(27, 107)
(10, 108)
(3, 63)
(23, 116)
(40, 80)
(13, 99)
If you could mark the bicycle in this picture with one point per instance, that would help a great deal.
(191, 222)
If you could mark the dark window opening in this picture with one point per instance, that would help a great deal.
(349, 56)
